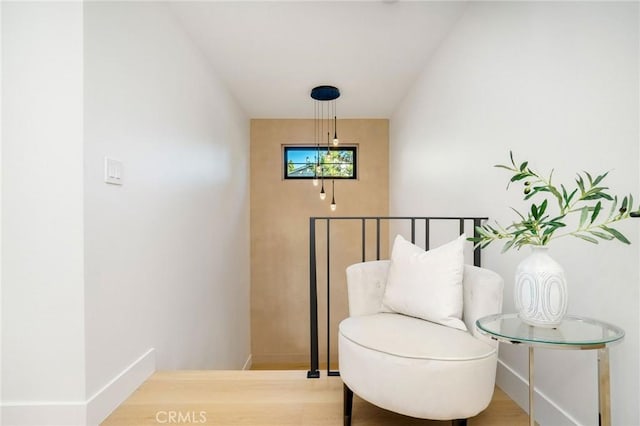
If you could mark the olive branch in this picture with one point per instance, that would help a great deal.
(538, 226)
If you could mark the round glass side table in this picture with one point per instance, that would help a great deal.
(573, 333)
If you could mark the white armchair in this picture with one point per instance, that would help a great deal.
(412, 366)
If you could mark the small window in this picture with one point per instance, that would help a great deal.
(301, 162)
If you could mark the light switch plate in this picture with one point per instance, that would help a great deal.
(113, 170)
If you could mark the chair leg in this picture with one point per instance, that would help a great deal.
(347, 405)
(459, 422)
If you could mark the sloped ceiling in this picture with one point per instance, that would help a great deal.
(271, 54)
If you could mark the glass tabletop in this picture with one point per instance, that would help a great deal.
(574, 332)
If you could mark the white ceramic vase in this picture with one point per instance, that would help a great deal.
(540, 293)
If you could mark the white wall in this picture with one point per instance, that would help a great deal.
(167, 253)
(1, 134)
(42, 201)
(557, 83)
(101, 283)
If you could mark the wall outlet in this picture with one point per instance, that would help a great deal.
(113, 170)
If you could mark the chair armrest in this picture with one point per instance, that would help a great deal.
(365, 286)
(482, 295)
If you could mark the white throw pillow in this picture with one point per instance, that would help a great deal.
(427, 284)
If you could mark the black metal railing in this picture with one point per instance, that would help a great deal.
(313, 267)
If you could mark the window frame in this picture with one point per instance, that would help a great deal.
(302, 147)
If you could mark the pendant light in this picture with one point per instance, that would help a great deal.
(333, 196)
(336, 141)
(324, 108)
(316, 167)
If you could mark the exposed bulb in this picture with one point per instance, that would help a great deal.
(315, 181)
(333, 195)
(323, 194)
(335, 141)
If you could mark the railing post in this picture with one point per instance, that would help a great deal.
(413, 231)
(426, 234)
(377, 238)
(313, 372)
(364, 241)
(476, 251)
(329, 372)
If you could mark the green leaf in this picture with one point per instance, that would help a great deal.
(503, 167)
(599, 178)
(583, 216)
(507, 246)
(602, 235)
(613, 206)
(523, 166)
(557, 224)
(518, 213)
(580, 184)
(557, 219)
(534, 191)
(590, 179)
(596, 210)
(519, 176)
(542, 208)
(484, 232)
(555, 192)
(586, 238)
(534, 211)
(543, 189)
(511, 156)
(592, 197)
(595, 194)
(598, 188)
(550, 230)
(616, 234)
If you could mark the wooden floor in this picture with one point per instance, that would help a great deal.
(269, 398)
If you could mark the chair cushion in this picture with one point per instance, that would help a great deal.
(409, 337)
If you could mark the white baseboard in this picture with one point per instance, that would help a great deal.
(90, 412)
(248, 363)
(546, 411)
(107, 399)
(43, 413)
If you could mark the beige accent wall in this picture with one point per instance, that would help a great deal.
(280, 211)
